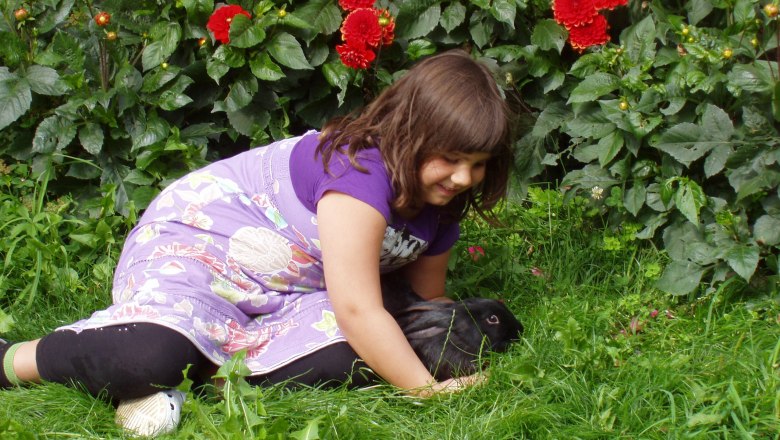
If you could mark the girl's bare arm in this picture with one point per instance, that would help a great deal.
(351, 234)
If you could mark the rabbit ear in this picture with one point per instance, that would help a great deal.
(425, 333)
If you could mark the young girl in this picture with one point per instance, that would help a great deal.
(237, 256)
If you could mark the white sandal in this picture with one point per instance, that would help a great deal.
(151, 415)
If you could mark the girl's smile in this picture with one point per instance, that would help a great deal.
(444, 177)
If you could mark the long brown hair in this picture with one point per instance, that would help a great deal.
(447, 103)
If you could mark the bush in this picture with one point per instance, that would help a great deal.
(671, 130)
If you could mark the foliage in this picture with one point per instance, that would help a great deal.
(674, 128)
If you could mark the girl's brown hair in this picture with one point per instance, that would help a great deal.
(448, 103)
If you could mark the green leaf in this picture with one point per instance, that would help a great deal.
(139, 177)
(744, 11)
(309, 432)
(504, 11)
(634, 198)
(91, 138)
(698, 9)
(249, 120)
(174, 97)
(6, 324)
(409, 12)
(240, 93)
(689, 199)
(264, 68)
(549, 35)
(15, 97)
(481, 31)
(338, 75)
(53, 134)
(148, 131)
(324, 15)
(420, 48)
(766, 230)
(683, 142)
(589, 176)
(421, 26)
(45, 81)
(680, 278)
(154, 80)
(52, 17)
(198, 8)
(232, 56)
(216, 69)
(716, 124)
(716, 160)
(160, 50)
(589, 124)
(453, 16)
(551, 118)
(286, 50)
(610, 146)
(244, 33)
(743, 259)
(755, 77)
(640, 40)
(594, 87)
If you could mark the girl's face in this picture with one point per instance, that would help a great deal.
(444, 177)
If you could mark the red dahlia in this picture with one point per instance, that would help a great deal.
(571, 13)
(349, 5)
(219, 22)
(609, 4)
(361, 28)
(591, 34)
(355, 57)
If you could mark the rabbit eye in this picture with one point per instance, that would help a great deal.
(493, 319)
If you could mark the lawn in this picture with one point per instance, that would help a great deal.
(604, 354)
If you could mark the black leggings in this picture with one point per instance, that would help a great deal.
(134, 360)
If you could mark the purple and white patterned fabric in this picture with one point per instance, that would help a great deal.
(229, 255)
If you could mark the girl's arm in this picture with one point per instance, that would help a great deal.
(351, 234)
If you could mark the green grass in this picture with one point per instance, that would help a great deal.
(595, 361)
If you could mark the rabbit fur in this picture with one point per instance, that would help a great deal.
(449, 337)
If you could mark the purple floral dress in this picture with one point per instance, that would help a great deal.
(229, 256)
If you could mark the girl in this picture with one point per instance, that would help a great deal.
(237, 256)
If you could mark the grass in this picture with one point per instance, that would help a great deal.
(596, 361)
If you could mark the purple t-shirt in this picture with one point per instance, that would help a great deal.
(311, 182)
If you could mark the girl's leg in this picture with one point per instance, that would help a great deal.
(333, 365)
(126, 361)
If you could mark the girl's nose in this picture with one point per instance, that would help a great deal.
(462, 176)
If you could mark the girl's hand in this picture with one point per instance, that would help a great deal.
(454, 385)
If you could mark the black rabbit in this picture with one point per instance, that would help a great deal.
(449, 337)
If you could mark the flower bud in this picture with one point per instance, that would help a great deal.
(771, 10)
(202, 42)
(727, 53)
(111, 36)
(21, 14)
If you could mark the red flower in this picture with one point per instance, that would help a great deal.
(355, 57)
(387, 23)
(591, 34)
(571, 13)
(609, 4)
(349, 5)
(476, 252)
(102, 19)
(361, 28)
(219, 22)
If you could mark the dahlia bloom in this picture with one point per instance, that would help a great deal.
(356, 57)
(350, 5)
(219, 22)
(571, 13)
(582, 19)
(591, 34)
(361, 28)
